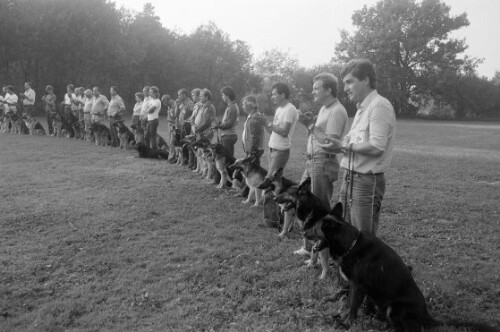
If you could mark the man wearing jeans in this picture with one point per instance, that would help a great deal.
(323, 144)
(281, 131)
(368, 147)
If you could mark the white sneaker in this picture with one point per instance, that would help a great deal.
(302, 252)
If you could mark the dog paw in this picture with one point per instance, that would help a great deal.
(323, 275)
(245, 202)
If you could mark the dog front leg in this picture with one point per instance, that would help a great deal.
(356, 296)
(258, 196)
(251, 194)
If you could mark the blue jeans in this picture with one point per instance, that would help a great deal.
(150, 135)
(323, 172)
(277, 160)
(367, 193)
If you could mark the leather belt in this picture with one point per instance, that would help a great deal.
(321, 155)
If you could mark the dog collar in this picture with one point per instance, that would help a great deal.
(353, 244)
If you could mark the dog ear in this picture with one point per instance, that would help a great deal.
(337, 211)
(305, 185)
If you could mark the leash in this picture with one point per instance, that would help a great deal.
(349, 180)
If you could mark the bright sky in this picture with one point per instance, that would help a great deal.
(309, 29)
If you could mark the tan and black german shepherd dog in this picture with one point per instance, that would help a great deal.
(222, 161)
(304, 202)
(126, 136)
(34, 127)
(101, 133)
(254, 175)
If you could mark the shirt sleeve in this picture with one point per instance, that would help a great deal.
(290, 114)
(231, 118)
(381, 125)
(336, 122)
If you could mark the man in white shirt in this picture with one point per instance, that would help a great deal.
(367, 147)
(28, 98)
(282, 128)
(115, 111)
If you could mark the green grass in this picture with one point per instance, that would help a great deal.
(95, 239)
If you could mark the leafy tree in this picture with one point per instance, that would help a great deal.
(409, 43)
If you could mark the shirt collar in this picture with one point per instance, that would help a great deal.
(368, 99)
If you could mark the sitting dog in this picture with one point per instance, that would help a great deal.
(146, 152)
(15, 121)
(78, 129)
(274, 185)
(306, 204)
(127, 138)
(222, 161)
(374, 270)
(239, 184)
(4, 123)
(209, 165)
(101, 133)
(254, 175)
(34, 127)
(161, 143)
(199, 148)
(138, 133)
(57, 125)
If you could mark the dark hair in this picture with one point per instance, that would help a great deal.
(282, 88)
(329, 82)
(115, 88)
(49, 87)
(28, 82)
(361, 69)
(165, 98)
(207, 93)
(229, 92)
(10, 87)
(71, 86)
(140, 95)
(183, 92)
(96, 87)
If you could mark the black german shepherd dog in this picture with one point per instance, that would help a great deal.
(147, 152)
(374, 270)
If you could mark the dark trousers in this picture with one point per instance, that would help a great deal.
(113, 131)
(228, 142)
(29, 110)
(150, 135)
(50, 118)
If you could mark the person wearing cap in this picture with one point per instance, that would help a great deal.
(28, 97)
(49, 104)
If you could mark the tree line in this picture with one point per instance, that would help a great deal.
(93, 43)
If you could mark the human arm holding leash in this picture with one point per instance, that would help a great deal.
(280, 129)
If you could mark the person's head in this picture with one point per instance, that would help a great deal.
(359, 79)
(49, 89)
(145, 91)
(154, 92)
(88, 93)
(166, 100)
(113, 91)
(80, 91)
(96, 91)
(228, 94)
(324, 86)
(280, 93)
(9, 89)
(250, 104)
(195, 95)
(27, 85)
(70, 88)
(206, 95)
(182, 94)
(139, 97)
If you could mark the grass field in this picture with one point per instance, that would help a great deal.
(95, 239)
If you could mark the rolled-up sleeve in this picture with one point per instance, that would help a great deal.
(381, 125)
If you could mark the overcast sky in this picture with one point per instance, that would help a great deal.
(309, 29)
